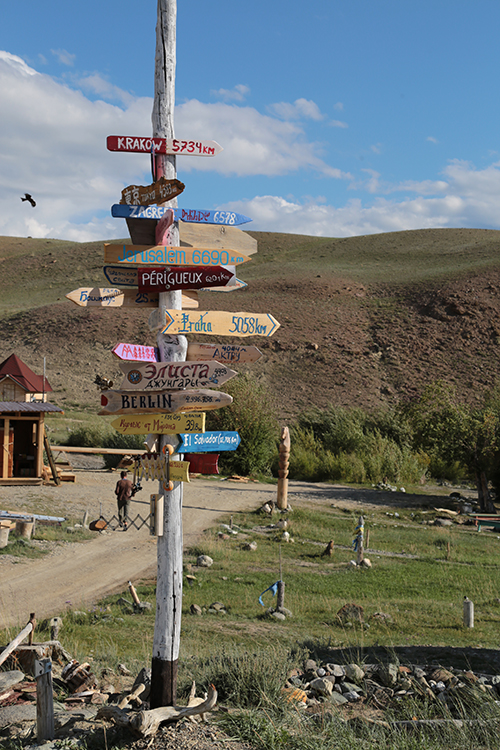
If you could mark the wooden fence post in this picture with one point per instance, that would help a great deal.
(44, 700)
(284, 455)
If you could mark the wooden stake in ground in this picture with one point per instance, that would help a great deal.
(167, 631)
(44, 700)
(26, 631)
(284, 455)
(359, 541)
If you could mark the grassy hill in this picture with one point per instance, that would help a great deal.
(364, 320)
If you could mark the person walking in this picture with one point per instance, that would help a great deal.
(123, 491)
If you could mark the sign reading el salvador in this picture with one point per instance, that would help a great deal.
(208, 442)
(188, 215)
(135, 145)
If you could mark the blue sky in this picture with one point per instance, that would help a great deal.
(337, 118)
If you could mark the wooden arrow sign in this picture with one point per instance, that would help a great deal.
(159, 192)
(133, 145)
(179, 471)
(166, 255)
(217, 237)
(153, 402)
(208, 442)
(129, 276)
(159, 376)
(230, 353)
(202, 463)
(159, 424)
(166, 279)
(110, 297)
(216, 322)
(188, 215)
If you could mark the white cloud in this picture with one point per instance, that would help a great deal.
(237, 94)
(64, 57)
(338, 124)
(431, 139)
(254, 144)
(300, 109)
(96, 84)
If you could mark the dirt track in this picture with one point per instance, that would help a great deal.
(81, 573)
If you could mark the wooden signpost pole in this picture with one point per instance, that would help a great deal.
(167, 631)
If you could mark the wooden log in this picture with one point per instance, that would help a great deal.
(29, 628)
(132, 696)
(44, 701)
(146, 723)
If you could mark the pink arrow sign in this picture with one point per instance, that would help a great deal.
(166, 279)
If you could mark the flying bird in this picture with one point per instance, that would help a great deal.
(27, 197)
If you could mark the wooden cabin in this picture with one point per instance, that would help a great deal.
(23, 405)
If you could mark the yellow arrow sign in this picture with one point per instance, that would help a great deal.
(160, 424)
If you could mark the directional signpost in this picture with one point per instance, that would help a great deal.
(157, 376)
(188, 215)
(165, 279)
(88, 296)
(159, 191)
(216, 322)
(208, 442)
(166, 255)
(155, 402)
(231, 353)
(160, 424)
(136, 145)
(129, 276)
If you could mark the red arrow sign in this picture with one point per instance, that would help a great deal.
(164, 279)
(133, 144)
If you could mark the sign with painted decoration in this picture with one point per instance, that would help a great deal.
(159, 376)
(187, 215)
(215, 322)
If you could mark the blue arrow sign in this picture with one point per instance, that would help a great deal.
(208, 442)
(190, 215)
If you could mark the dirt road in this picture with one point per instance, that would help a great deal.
(78, 574)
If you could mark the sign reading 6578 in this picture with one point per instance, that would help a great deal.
(219, 323)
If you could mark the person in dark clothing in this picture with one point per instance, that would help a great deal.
(124, 490)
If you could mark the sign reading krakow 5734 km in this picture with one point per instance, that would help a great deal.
(133, 144)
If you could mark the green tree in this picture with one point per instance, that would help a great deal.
(253, 415)
(450, 432)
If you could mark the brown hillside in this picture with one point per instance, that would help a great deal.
(364, 321)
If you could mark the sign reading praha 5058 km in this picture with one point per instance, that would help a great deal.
(220, 323)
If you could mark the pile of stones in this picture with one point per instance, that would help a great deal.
(383, 684)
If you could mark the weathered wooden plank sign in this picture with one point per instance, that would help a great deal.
(154, 466)
(208, 442)
(166, 255)
(166, 279)
(214, 321)
(160, 424)
(188, 215)
(159, 192)
(129, 276)
(136, 145)
(202, 463)
(111, 297)
(159, 376)
(230, 353)
(153, 402)
(233, 353)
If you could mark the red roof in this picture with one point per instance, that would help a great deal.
(23, 376)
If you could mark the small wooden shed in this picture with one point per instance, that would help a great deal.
(22, 427)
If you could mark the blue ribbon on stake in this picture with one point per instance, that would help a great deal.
(273, 589)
